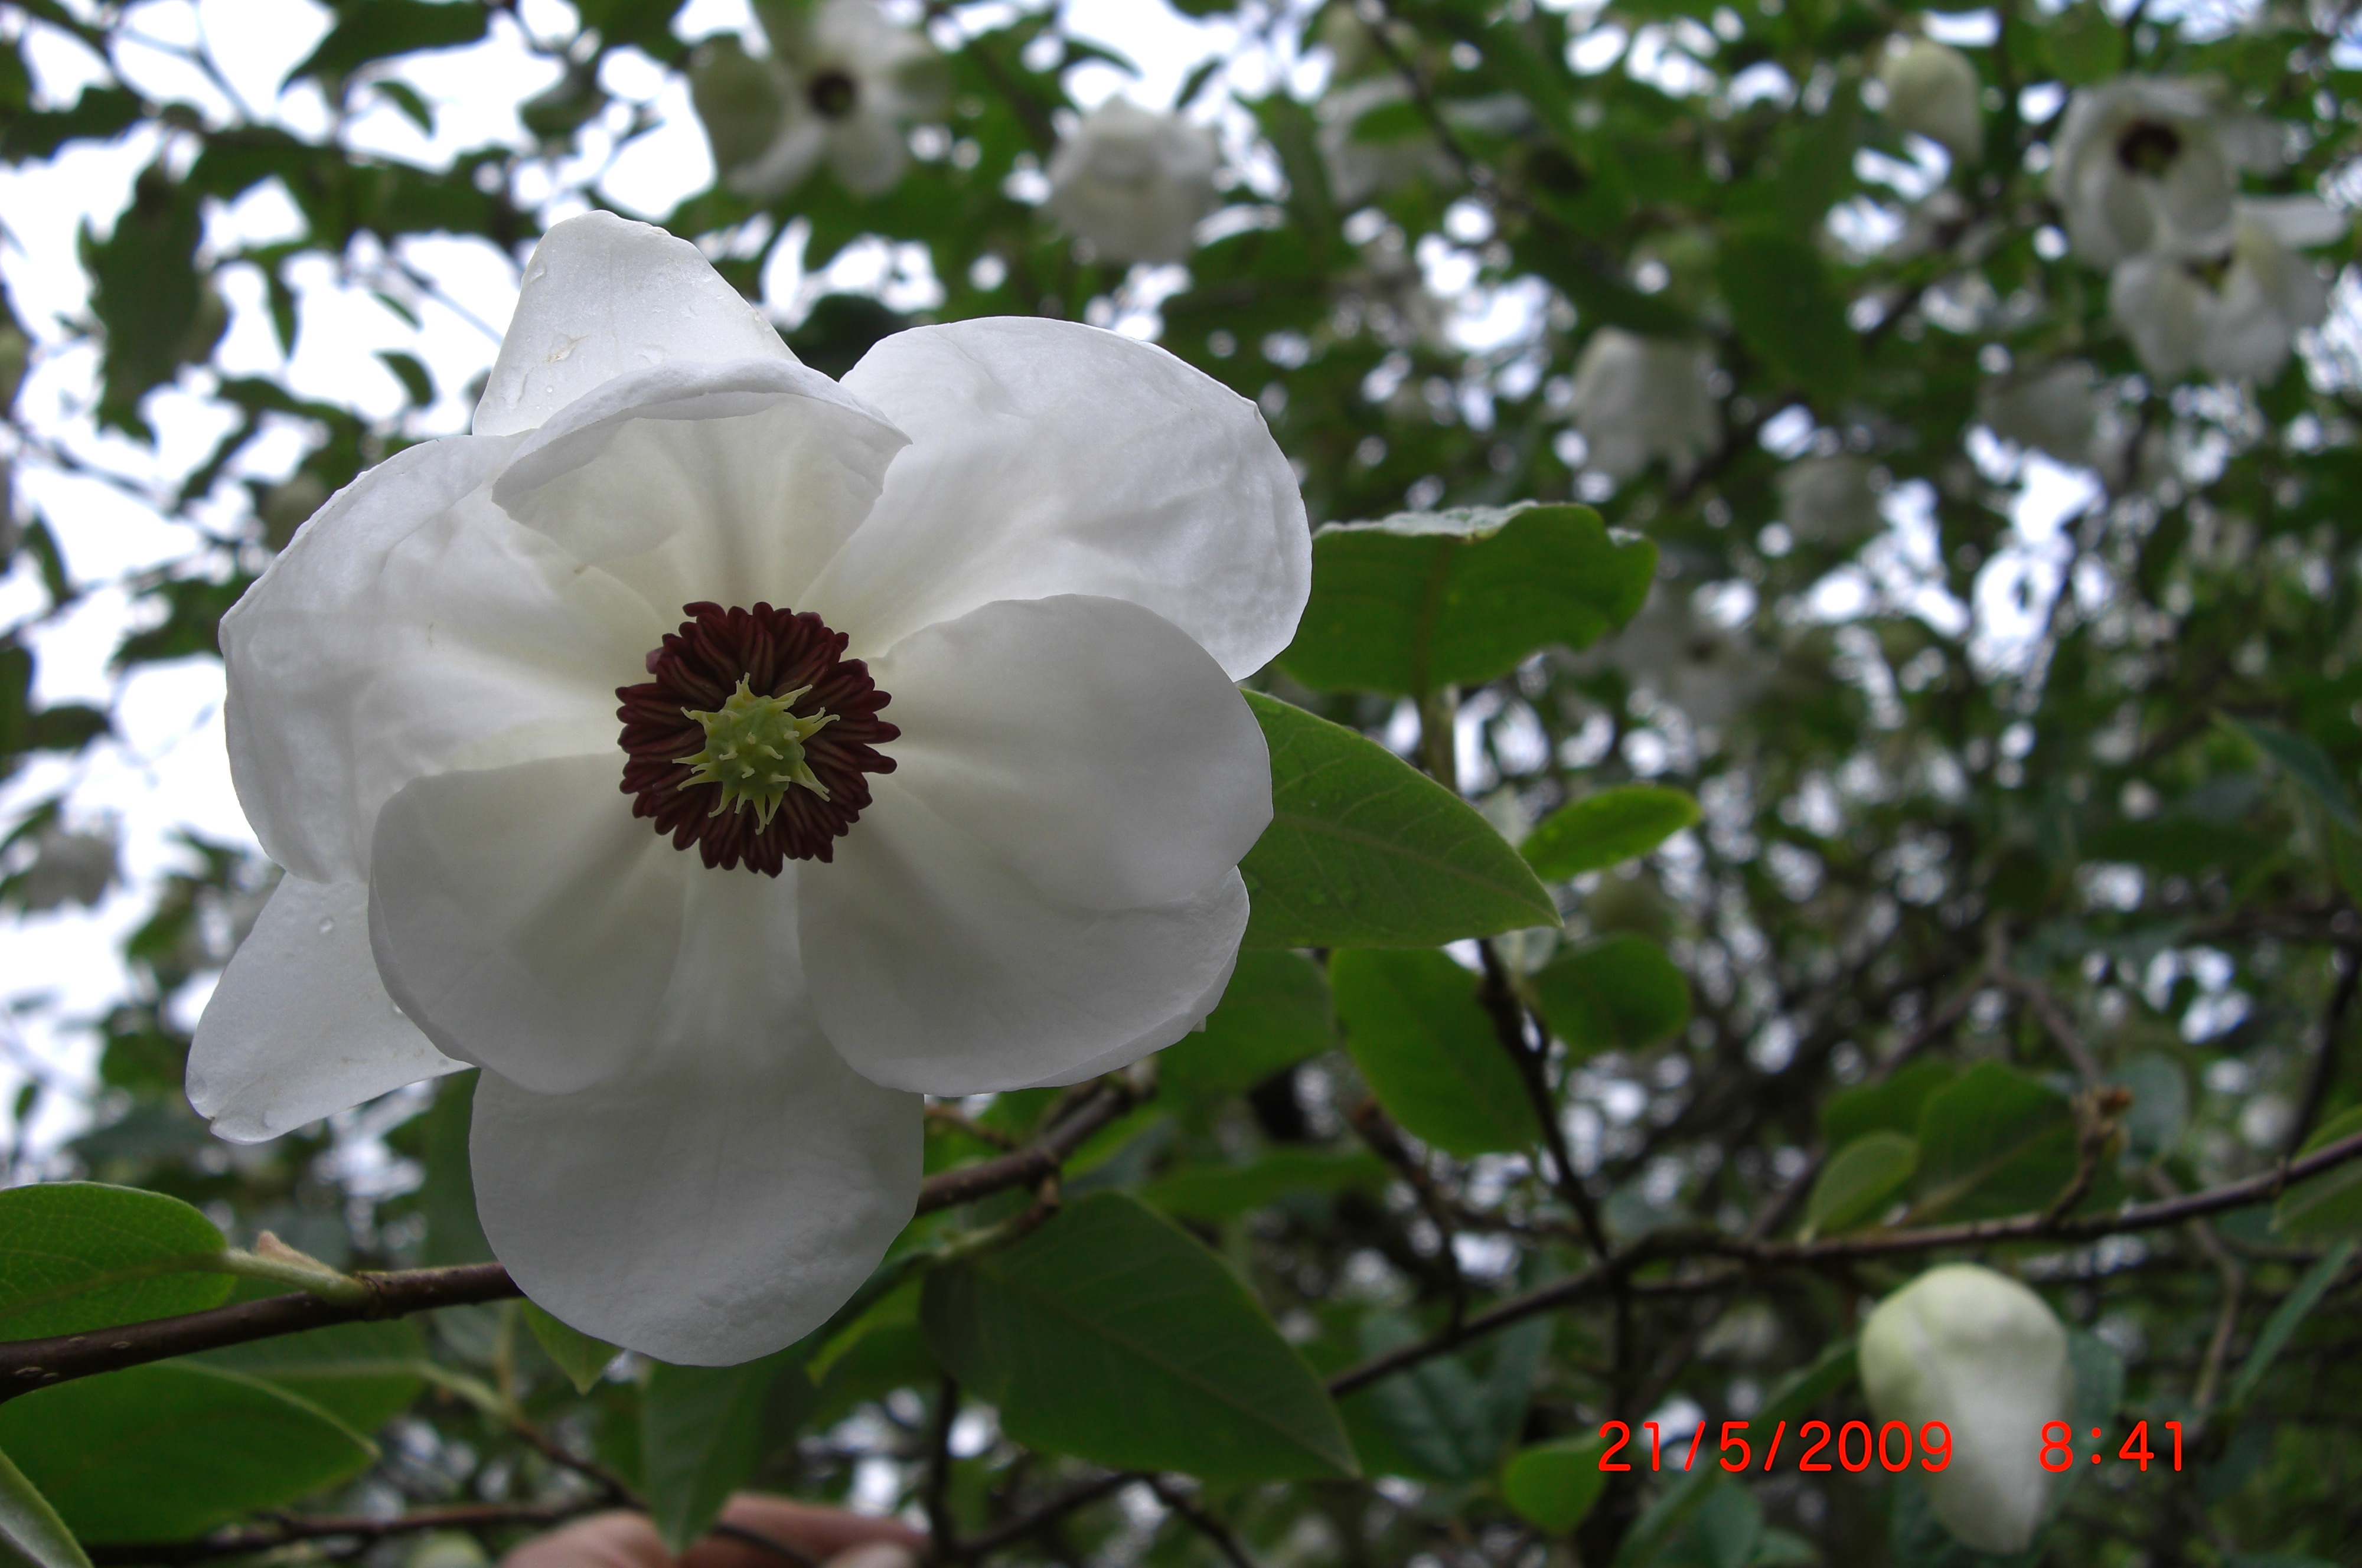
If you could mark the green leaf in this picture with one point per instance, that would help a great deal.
(31, 1534)
(581, 1357)
(2286, 1317)
(2160, 1105)
(447, 1195)
(1554, 1485)
(1225, 1192)
(1451, 1424)
(1606, 829)
(1618, 995)
(1111, 1335)
(1427, 1050)
(1274, 1014)
(376, 28)
(1424, 600)
(168, 1451)
(1994, 1143)
(2084, 44)
(1860, 1182)
(2328, 1205)
(2302, 759)
(416, 381)
(362, 1373)
(1365, 851)
(702, 1431)
(1893, 1106)
(77, 1255)
(1788, 310)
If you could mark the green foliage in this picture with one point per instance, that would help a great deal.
(1995, 1142)
(1553, 1485)
(167, 1452)
(1448, 1422)
(1427, 1050)
(1110, 1334)
(31, 1534)
(1275, 1013)
(78, 1255)
(1418, 601)
(1859, 1181)
(364, 1375)
(702, 1429)
(1364, 851)
(581, 1357)
(1618, 995)
(2328, 1206)
(1606, 829)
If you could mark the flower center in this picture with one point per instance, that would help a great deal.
(832, 93)
(2149, 148)
(755, 738)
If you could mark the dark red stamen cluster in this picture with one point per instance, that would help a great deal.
(698, 667)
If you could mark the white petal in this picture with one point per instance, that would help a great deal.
(604, 296)
(936, 968)
(410, 627)
(786, 163)
(724, 1196)
(1049, 457)
(2298, 221)
(300, 1025)
(1165, 1032)
(1092, 744)
(732, 482)
(2160, 307)
(865, 151)
(526, 921)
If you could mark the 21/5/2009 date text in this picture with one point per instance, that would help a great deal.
(1856, 1447)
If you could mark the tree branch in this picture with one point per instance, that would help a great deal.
(246, 1540)
(27, 1365)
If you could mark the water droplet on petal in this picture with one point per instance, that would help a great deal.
(327, 925)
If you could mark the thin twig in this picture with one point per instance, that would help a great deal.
(246, 1540)
(1216, 1533)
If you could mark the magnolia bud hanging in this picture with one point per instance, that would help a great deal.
(1932, 89)
(1984, 1355)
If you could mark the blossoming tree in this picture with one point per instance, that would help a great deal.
(1372, 799)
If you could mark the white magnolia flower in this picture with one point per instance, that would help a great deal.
(1984, 1355)
(2052, 408)
(840, 85)
(1133, 182)
(2150, 165)
(2234, 318)
(1932, 90)
(1830, 499)
(708, 945)
(1637, 399)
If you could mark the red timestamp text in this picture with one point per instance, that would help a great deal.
(1854, 1446)
(2058, 1445)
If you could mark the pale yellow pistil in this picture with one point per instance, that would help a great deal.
(755, 751)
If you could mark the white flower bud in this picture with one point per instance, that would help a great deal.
(1639, 398)
(1932, 90)
(1984, 1355)
(1133, 182)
